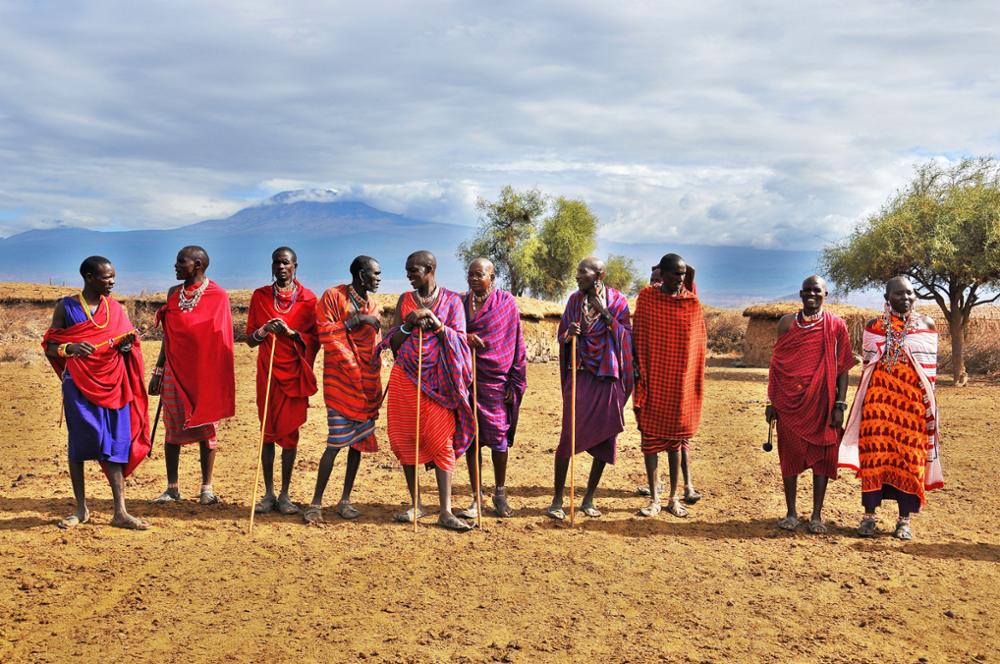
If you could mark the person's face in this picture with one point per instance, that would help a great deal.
(417, 274)
(480, 278)
(102, 280)
(900, 296)
(186, 267)
(283, 267)
(655, 278)
(586, 277)
(813, 294)
(371, 276)
(673, 275)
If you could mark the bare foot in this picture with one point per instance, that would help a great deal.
(345, 510)
(452, 522)
(129, 522)
(75, 520)
(652, 509)
(168, 496)
(266, 504)
(407, 516)
(555, 511)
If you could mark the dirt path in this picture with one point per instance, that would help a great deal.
(722, 585)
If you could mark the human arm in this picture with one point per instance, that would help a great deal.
(82, 349)
(840, 402)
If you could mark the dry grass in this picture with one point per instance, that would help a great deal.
(726, 329)
(775, 310)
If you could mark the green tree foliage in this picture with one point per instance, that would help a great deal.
(622, 274)
(567, 236)
(506, 227)
(942, 231)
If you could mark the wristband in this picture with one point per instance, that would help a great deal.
(402, 328)
(439, 328)
(842, 405)
(61, 350)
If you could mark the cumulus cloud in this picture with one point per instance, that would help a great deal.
(771, 125)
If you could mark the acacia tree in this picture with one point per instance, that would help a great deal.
(623, 276)
(566, 237)
(943, 232)
(506, 228)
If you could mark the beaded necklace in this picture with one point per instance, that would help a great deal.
(428, 301)
(895, 339)
(187, 301)
(590, 314)
(358, 301)
(476, 302)
(807, 321)
(289, 296)
(90, 316)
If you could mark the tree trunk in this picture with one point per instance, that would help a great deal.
(957, 327)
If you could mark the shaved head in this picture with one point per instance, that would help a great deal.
(896, 282)
(423, 257)
(196, 253)
(595, 264)
(814, 279)
(484, 264)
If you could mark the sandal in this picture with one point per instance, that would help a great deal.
(72, 521)
(265, 504)
(313, 516)
(555, 512)
(644, 490)
(208, 498)
(286, 506)
(903, 531)
(691, 496)
(674, 507)
(347, 511)
(652, 509)
(591, 511)
(501, 506)
(816, 527)
(167, 497)
(789, 523)
(868, 526)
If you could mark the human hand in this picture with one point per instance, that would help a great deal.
(155, 383)
(125, 345)
(82, 349)
(836, 418)
(770, 414)
(475, 341)
(573, 330)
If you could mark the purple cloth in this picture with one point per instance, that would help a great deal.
(447, 367)
(501, 366)
(95, 432)
(600, 405)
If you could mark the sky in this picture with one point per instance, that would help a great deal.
(774, 125)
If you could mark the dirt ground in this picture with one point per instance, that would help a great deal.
(722, 585)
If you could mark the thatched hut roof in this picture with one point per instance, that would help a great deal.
(775, 310)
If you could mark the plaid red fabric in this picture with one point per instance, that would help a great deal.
(658, 445)
(670, 341)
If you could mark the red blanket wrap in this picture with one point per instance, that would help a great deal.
(107, 377)
(670, 340)
(292, 378)
(199, 349)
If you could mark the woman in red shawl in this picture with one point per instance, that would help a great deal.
(283, 313)
(94, 350)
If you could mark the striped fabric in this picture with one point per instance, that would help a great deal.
(352, 384)
(173, 416)
(344, 432)
(605, 351)
(894, 417)
(652, 445)
(437, 425)
(500, 367)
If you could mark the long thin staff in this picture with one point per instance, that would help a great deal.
(572, 436)
(416, 457)
(156, 420)
(263, 423)
(479, 468)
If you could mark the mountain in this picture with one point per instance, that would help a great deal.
(325, 232)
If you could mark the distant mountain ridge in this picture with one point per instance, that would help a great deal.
(327, 233)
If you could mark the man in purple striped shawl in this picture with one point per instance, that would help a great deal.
(494, 335)
(598, 316)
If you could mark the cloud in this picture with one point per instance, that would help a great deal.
(777, 124)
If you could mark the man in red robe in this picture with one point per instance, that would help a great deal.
(94, 349)
(807, 392)
(670, 344)
(282, 314)
(194, 373)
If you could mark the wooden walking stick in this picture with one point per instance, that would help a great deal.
(479, 468)
(572, 435)
(416, 455)
(263, 423)
(156, 420)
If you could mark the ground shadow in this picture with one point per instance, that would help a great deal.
(676, 527)
(979, 551)
(738, 375)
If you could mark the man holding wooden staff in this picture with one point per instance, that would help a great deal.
(495, 336)
(446, 427)
(282, 314)
(670, 343)
(597, 315)
(347, 319)
(194, 373)
(94, 350)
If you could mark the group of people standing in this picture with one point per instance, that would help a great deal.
(465, 353)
